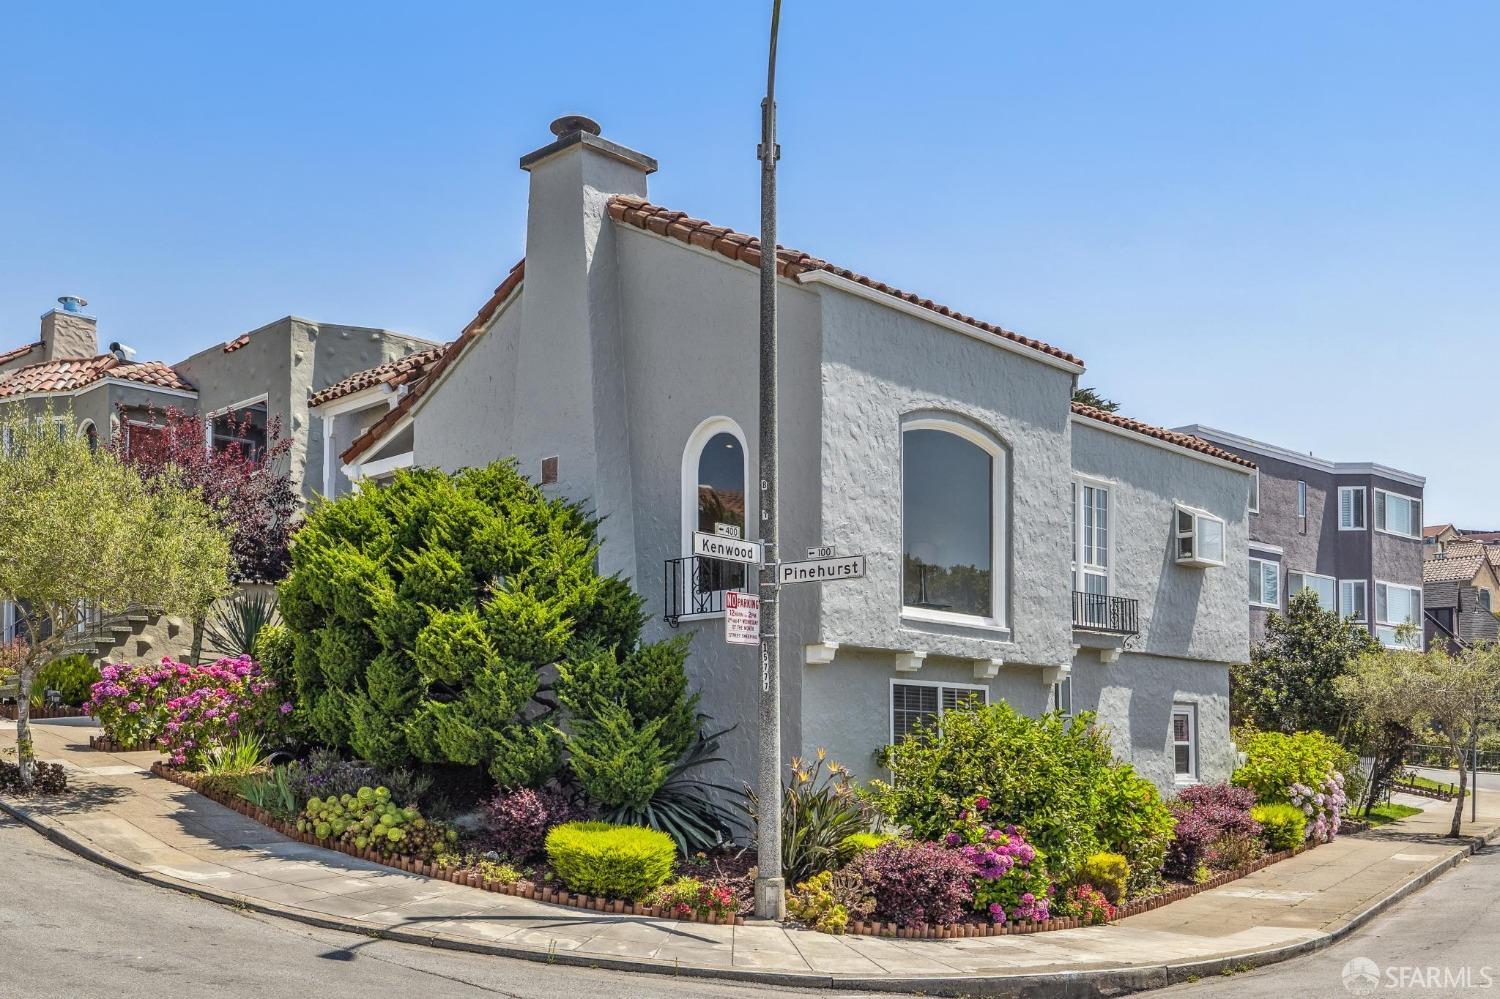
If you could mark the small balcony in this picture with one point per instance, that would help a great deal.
(1104, 613)
(695, 587)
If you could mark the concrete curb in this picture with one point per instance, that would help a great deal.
(1092, 984)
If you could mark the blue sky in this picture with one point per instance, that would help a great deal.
(1276, 218)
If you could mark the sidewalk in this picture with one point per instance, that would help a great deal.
(155, 830)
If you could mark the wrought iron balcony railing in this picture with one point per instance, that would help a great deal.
(1101, 612)
(695, 586)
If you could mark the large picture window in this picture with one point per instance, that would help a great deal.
(1397, 514)
(951, 499)
(1396, 606)
(1326, 587)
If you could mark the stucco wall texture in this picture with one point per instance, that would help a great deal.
(621, 343)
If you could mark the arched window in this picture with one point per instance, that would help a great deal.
(90, 433)
(714, 500)
(952, 523)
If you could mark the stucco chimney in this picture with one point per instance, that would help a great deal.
(68, 331)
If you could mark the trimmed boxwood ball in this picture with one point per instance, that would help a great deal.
(1282, 826)
(596, 858)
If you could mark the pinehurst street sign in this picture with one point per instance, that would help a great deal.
(821, 570)
(729, 549)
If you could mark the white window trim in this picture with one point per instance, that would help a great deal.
(208, 421)
(1279, 587)
(692, 455)
(1302, 498)
(1055, 697)
(1254, 504)
(1364, 502)
(1191, 711)
(890, 700)
(1421, 611)
(996, 621)
(1312, 575)
(1387, 530)
(1079, 481)
(1198, 559)
(1364, 614)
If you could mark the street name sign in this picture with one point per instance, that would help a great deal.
(821, 570)
(729, 549)
(741, 618)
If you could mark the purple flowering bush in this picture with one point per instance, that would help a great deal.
(1304, 769)
(917, 883)
(188, 709)
(1010, 876)
(1323, 805)
(1205, 813)
(517, 821)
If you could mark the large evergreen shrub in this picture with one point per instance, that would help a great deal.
(428, 617)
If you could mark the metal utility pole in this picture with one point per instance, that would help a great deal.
(770, 887)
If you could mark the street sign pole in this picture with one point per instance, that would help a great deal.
(770, 888)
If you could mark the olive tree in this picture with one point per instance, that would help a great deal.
(84, 540)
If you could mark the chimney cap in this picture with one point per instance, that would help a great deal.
(72, 303)
(570, 123)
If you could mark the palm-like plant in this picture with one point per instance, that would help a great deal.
(684, 806)
(236, 623)
(819, 811)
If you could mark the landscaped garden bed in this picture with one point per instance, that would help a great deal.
(43, 712)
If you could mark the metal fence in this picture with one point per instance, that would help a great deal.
(1442, 758)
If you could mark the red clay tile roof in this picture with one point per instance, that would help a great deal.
(1435, 530)
(21, 351)
(76, 373)
(1169, 436)
(450, 354)
(1448, 570)
(392, 373)
(789, 263)
(236, 343)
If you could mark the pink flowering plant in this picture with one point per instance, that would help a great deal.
(1323, 805)
(1010, 875)
(186, 709)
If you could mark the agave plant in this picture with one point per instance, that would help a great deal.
(235, 624)
(684, 807)
(819, 812)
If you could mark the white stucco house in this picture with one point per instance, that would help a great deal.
(1019, 547)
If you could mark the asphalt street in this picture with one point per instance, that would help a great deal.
(70, 929)
(1444, 941)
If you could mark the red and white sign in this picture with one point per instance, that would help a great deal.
(741, 618)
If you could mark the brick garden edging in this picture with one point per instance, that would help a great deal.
(411, 865)
(8, 712)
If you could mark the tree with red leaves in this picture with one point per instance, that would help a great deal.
(249, 487)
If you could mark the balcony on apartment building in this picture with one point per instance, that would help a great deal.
(1104, 622)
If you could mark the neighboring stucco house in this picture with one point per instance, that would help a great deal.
(1349, 531)
(1019, 547)
(270, 375)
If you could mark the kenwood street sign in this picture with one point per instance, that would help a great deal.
(821, 570)
(729, 549)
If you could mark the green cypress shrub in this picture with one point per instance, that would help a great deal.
(423, 615)
(597, 858)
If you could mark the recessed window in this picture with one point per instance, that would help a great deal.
(1255, 491)
(1185, 743)
(89, 433)
(1354, 599)
(914, 704)
(951, 494)
(1484, 599)
(1062, 696)
(241, 429)
(1265, 583)
(1302, 499)
(1397, 606)
(1091, 538)
(713, 502)
(1326, 587)
(1398, 514)
(1200, 538)
(1351, 508)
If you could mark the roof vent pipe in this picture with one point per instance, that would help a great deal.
(72, 303)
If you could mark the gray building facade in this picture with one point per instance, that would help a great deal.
(1349, 531)
(1018, 547)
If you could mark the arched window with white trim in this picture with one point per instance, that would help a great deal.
(714, 477)
(952, 523)
(90, 433)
